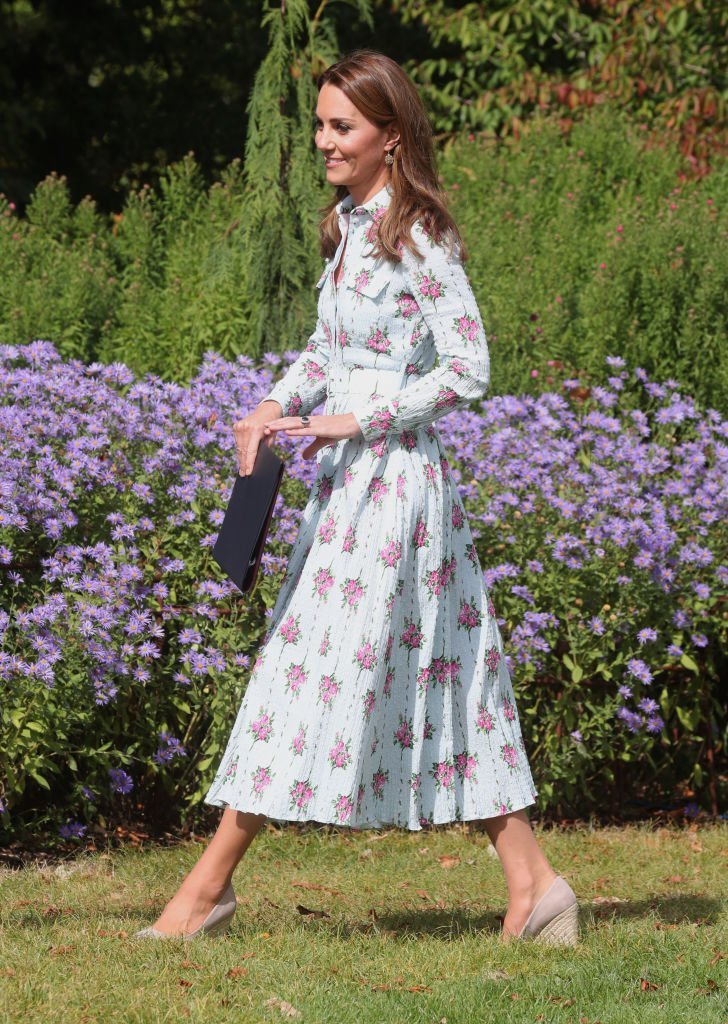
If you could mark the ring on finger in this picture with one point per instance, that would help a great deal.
(305, 420)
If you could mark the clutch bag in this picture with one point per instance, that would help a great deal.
(240, 542)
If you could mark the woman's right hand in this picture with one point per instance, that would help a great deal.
(248, 433)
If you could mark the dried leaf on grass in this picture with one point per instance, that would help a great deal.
(237, 972)
(718, 956)
(59, 950)
(311, 913)
(648, 986)
(287, 1010)
(447, 861)
(191, 965)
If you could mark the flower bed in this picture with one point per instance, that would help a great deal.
(599, 519)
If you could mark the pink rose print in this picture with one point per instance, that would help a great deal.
(509, 710)
(329, 686)
(444, 467)
(313, 371)
(401, 482)
(379, 781)
(446, 672)
(327, 334)
(290, 630)
(466, 327)
(458, 517)
(298, 743)
(232, 769)
(361, 281)
(372, 230)
(491, 608)
(415, 781)
(349, 540)
(412, 636)
(262, 777)
(339, 756)
(381, 420)
(406, 305)
(324, 488)
(465, 765)
(262, 728)
(484, 721)
(426, 821)
(353, 591)
(343, 337)
(446, 399)
(501, 807)
(366, 656)
(327, 530)
(408, 440)
(374, 744)
(323, 581)
(443, 772)
(377, 489)
(469, 616)
(370, 699)
(492, 659)
(378, 446)
(471, 554)
(423, 679)
(403, 734)
(388, 680)
(421, 536)
(325, 645)
(509, 755)
(428, 730)
(296, 676)
(343, 806)
(360, 796)
(301, 793)
(391, 553)
(348, 476)
(460, 369)
(378, 341)
(430, 287)
(294, 404)
(437, 579)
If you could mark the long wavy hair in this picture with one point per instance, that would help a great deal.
(383, 93)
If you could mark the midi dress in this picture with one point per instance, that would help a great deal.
(380, 694)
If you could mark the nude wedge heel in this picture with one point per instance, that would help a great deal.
(217, 921)
(555, 918)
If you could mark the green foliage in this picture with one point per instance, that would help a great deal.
(590, 244)
(494, 65)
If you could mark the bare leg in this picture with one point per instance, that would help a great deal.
(528, 873)
(208, 879)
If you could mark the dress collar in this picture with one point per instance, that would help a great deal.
(381, 199)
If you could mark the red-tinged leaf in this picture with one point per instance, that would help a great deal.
(423, 894)
(448, 861)
(191, 965)
(718, 956)
(561, 1000)
(418, 988)
(59, 950)
(311, 913)
(10, 972)
(237, 972)
(184, 983)
(648, 986)
(677, 879)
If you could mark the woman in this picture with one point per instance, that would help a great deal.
(380, 694)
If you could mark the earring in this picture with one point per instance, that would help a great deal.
(388, 159)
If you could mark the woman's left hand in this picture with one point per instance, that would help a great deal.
(326, 430)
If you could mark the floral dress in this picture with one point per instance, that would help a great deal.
(380, 693)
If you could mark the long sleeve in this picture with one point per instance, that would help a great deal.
(303, 386)
(448, 308)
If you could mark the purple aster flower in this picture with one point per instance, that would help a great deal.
(674, 651)
(120, 781)
(625, 692)
(646, 634)
(699, 639)
(72, 830)
(596, 625)
(701, 589)
(576, 736)
(637, 668)
(655, 724)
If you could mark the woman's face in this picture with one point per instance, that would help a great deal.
(353, 147)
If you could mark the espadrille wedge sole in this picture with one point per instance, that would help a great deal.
(555, 918)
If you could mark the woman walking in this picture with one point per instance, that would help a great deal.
(380, 694)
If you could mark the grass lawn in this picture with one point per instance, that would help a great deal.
(374, 927)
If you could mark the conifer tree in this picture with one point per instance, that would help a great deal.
(284, 178)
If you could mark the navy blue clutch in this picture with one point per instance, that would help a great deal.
(241, 540)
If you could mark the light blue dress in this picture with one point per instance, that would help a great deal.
(380, 693)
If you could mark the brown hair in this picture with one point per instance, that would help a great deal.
(383, 93)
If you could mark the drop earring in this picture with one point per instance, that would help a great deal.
(388, 159)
